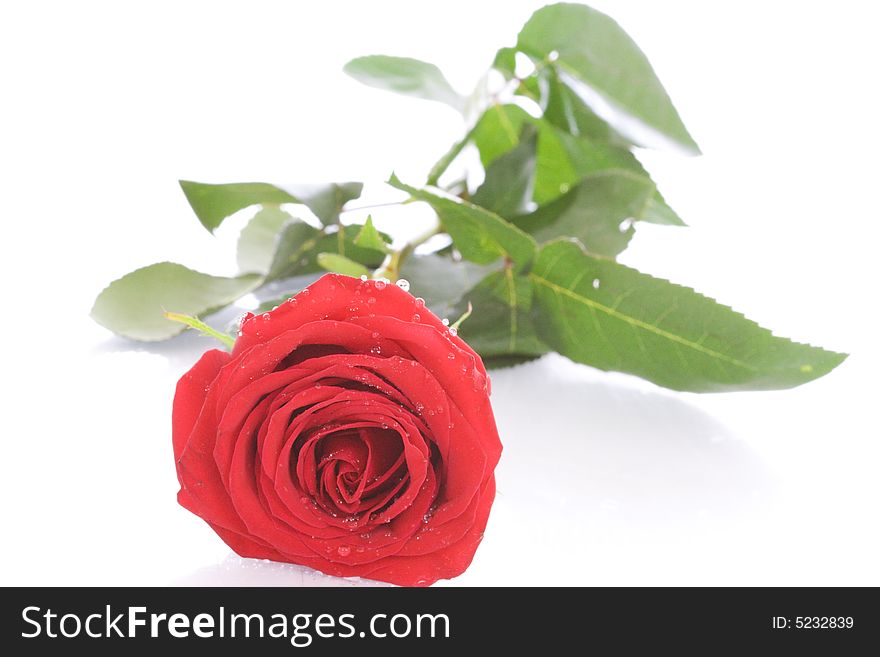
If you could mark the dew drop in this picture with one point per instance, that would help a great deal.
(380, 284)
(452, 425)
(403, 284)
(376, 350)
(453, 331)
(364, 278)
(343, 550)
(375, 335)
(420, 302)
(305, 292)
(416, 318)
(265, 316)
(596, 283)
(291, 301)
(450, 356)
(371, 301)
(367, 536)
(445, 322)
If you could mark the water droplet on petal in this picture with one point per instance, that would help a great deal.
(364, 278)
(343, 550)
(450, 356)
(416, 318)
(420, 302)
(371, 300)
(375, 335)
(305, 292)
(453, 331)
(291, 301)
(445, 322)
(403, 284)
(376, 350)
(380, 284)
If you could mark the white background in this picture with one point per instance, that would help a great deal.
(605, 479)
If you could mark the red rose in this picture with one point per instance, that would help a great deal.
(349, 430)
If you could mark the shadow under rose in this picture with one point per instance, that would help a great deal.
(599, 472)
(236, 571)
(603, 473)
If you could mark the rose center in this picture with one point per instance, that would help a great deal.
(357, 470)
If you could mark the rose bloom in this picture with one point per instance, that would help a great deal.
(349, 431)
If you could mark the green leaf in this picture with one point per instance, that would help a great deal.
(567, 111)
(505, 62)
(495, 133)
(447, 159)
(326, 200)
(134, 305)
(370, 238)
(441, 281)
(498, 131)
(507, 189)
(501, 323)
(608, 71)
(333, 262)
(479, 235)
(604, 314)
(299, 244)
(256, 243)
(598, 211)
(564, 160)
(213, 203)
(296, 251)
(658, 212)
(404, 75)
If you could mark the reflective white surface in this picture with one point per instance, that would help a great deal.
(605, 479)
